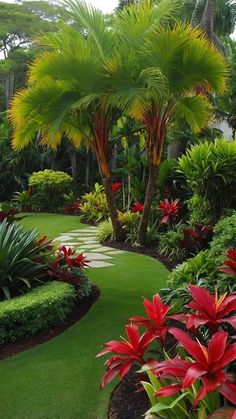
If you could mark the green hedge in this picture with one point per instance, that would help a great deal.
(41, 308)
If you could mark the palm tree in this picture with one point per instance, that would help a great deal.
(154, 74)
(68, 89)
(66, 92)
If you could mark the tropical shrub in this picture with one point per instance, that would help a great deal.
(210, 172)
(194, 366)
(69, 267)
(94, 205)
(23, 200)
(48, 189)
(169, 245)
(224, 236)
(22, 259)
(7, 212)
(105, 231)
(196, 238)
(39, 309)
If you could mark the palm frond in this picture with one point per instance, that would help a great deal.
(195, 110)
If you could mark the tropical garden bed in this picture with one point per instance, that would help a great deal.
(130, 98)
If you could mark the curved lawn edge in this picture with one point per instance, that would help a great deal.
(60, 379)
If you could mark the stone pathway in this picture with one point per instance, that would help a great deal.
(85, 241)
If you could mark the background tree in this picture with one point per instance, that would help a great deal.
(156, 87)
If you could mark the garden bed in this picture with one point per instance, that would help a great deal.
(126, 402)
(81, 308)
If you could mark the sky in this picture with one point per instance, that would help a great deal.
(105, 5)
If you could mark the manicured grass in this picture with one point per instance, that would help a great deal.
(60, 379)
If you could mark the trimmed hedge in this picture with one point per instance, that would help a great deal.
(41, 308)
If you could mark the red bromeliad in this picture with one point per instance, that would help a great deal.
(157, 318)
(137, 207)
(128, 352)
(209, 366)
(211, 310)
(73, 262)
(169, 210)
(116, 186)
(230, 264)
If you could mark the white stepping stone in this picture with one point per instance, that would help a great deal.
(99, 264)
(102, 249)
(89, 246)
(62, 238)
(97, 256)
(71, 244)
(89, 241)
(116, 252)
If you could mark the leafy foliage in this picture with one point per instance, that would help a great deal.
(169, 245)
(22, 259)
(94, 205)
(105, 231)
(40, 309)
(48, 188)
(194, 368)
(210, 172)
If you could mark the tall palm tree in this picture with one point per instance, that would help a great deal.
(154, 74)
(68, 89)
(66, 92)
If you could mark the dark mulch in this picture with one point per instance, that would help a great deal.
(145, 250)
(81, 308)
(125, 402)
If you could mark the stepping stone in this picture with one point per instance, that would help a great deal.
(99, 264)
(89, 246)
(102, 249)
(89, 239)
(116, 252)
(62, 238)
(97, 256)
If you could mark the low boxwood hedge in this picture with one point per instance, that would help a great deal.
(39, 309)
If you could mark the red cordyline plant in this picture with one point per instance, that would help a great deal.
(206, 369)
(169, 210)
(229, 264)
(156, 320)
(210, 310)
(137, 207)
(196, 238)
(208, 364)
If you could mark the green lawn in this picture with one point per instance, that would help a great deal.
(60, 379)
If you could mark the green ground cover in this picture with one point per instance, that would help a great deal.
(59, 379)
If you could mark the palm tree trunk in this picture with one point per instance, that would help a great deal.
(195, 15)
(107, 183)
(87, 170)
(73, 166)
(150, 193)
(207, 21)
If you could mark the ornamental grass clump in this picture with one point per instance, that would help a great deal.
(194, 356)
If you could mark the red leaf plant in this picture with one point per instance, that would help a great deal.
(116, 186)
(196, 238)
(230, 264)
(72, 207)
(169, 210)
(137, 207)
(157, 319)
(79, 261)
(209, 365)
(210, 310)
(128, 352)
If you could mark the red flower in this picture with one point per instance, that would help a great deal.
(231, 263)
(73, 262)
(169, 209)
(137, 207)
(116, 187)
(129, 351)
(209, 367)
(211, 310)
(156, 320)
